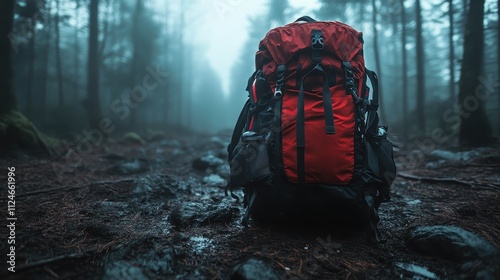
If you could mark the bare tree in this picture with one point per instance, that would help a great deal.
(16, 128)
(404, 57)
(7, 97)
(30, 12)
(76, 50)
(58, 56)
(451, 50)
(420, 69)
(475, 128)
(135, 54)
(376, 51)
(44, 59)
(92, 104)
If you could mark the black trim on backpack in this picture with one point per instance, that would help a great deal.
(301, 138)
(235, 138)
(372, 118)
(238, 130)
(306, 19)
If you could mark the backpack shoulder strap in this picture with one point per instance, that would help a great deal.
(372, 118)
(238, 130)
(374, 80)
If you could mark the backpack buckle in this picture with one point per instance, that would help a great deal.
(317, 40)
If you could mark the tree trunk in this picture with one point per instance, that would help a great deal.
(181, 67)
(31, 69)
(498, 57)
(475, 128)
(165, 96)
(135, 57)
(58, 59)
(394, 18)
(404, 55)
(91, 104)
(76, 50)
(189, 103)
(465, 6)
(378, 67)
(7, 97)
(420, 70)
(17, 131)
(451, 51)
(44, 61)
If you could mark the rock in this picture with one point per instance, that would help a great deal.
(190, 214)
(416, 270)
(435, 164)
(253, 269)
(155, 135)
(132, 138)
(184, 215)
(160, 262)
(128, 167)
(463, 155)
(218, 143)
(157, 184)
(222, 153)
(220, 215)
(100, 231)
(200, 244)
(204, 162)
(17, 131)
(113, 156)
(481, 269)
(123, 270)
(451, 243)
(170, 143)
(214, 180)
(224, 170)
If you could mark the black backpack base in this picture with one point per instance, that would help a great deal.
(314, 206)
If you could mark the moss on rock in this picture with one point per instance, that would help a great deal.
(133, 138)
(17, 130)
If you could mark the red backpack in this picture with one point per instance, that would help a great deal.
(307, 142)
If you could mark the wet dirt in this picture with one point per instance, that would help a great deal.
(158, 211)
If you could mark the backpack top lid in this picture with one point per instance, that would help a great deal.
(282, 43)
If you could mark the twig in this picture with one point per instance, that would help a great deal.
(482, 165)
(433, 180)
(487, 186)
(76, 187)
(51, 272)
(50, 261)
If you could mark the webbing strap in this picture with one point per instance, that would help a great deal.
(246, 217)
(300, 120)
(327, 104)
(372, 118)
(300, 137)
(238, 130)
(374, 80)
(317, 45)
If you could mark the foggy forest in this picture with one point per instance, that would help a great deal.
(116, 116)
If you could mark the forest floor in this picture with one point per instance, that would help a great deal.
(142, 211)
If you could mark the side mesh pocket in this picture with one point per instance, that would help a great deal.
(251, 160)
(380, 168)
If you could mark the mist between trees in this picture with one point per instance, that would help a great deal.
(76, 62)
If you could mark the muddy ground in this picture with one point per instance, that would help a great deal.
(142, 211)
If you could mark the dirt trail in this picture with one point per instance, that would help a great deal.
(144, 212)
